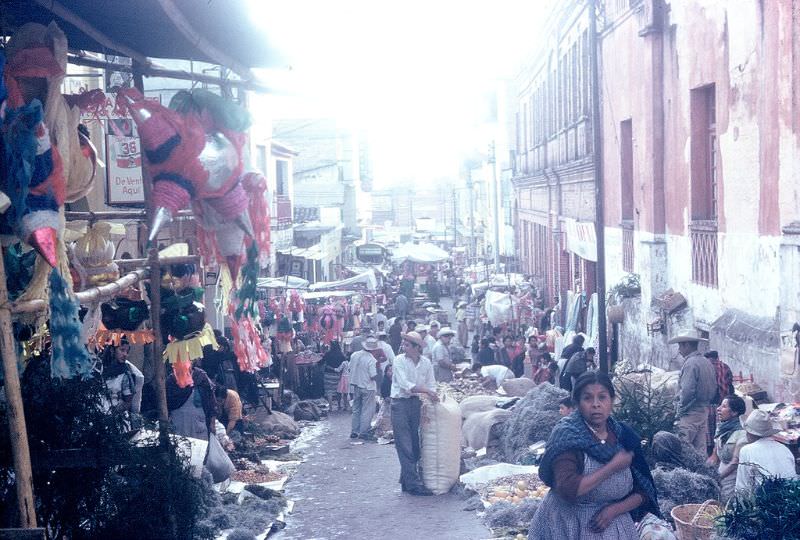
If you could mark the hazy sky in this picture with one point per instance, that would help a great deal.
(413, 73)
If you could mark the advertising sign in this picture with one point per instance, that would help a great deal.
(124, 164)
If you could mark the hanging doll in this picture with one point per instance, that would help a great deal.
(45, 163)
(184, 327)
(327, 322)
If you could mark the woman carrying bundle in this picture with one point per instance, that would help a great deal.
(596, 468)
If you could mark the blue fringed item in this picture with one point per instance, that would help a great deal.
(70, 358)
(19, 137)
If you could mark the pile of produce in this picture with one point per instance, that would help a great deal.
(463, 388)
(514, 489)
(532, 419)
(681, 486)
(251, 472)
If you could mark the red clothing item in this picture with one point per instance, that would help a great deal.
(724, 379)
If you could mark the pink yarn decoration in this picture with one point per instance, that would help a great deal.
(231, 204)
(170, 195)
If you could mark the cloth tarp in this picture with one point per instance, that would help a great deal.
(424, 253)
(500, 307)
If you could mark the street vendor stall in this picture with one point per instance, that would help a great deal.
(50, 161)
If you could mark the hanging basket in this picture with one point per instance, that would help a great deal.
(695, 521)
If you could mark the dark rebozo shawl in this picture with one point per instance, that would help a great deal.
(572, 433)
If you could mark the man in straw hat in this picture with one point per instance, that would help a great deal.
(697, 385)
(412, 376)
(443, 366)
(363, 374)
(764, 456)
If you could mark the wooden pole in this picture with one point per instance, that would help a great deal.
(16, 412)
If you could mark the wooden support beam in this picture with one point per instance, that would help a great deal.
(58, 9)
(155, 71)
(16, 412)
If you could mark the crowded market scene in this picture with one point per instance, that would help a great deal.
(486, 290)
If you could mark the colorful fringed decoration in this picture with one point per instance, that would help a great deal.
(250, 353)
(180, 354)
(70, 357)
(105, 337)
(256, 187)
(247, 293)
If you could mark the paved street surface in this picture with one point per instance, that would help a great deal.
(347, 490)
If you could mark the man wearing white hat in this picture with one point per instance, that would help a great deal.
(412, 376)
(363, 374)
(697, 385)
(764, 456)
(440, 356)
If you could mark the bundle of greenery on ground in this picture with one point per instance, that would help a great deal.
(769, 511)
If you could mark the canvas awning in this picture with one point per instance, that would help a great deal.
(214, 31)
(366, 278)
(285, 282)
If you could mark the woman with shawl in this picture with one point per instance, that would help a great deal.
(728, 440)
(595, 466)
(331, 361)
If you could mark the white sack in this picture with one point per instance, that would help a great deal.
(440, 442)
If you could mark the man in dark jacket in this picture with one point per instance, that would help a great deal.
(697, 384)
(577, 365)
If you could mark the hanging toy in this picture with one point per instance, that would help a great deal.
(296, 306)
(243, 311)
(327, 322)
(93, 257)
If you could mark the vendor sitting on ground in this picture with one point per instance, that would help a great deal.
(764, 456)
(728, 441)
(230, 408)
(596, 468)
(492, 377)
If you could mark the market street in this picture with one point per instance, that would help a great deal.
(347, 489)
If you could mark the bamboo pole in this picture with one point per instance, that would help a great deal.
(16, 412)
(181, 259)
(153, 71)
(118, 214)
(95, 294)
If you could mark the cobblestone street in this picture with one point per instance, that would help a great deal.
(349, 490)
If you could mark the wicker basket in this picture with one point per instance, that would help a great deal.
(695, 521)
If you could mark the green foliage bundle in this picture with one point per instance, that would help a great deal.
(648, 409)
(769, 511)
(122, 490)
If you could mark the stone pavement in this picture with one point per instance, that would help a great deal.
(348, 490)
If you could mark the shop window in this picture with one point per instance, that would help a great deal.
(704, 185)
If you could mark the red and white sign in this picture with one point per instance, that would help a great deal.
(581, 239)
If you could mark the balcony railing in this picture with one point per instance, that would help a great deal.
(283, 211)
(704, 252)
(627, 246)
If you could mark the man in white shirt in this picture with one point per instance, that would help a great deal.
(494, 375)
(440, 356)
(412, 375)
(764, 456)
(363, 374)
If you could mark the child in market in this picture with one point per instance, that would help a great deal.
(344, 384)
